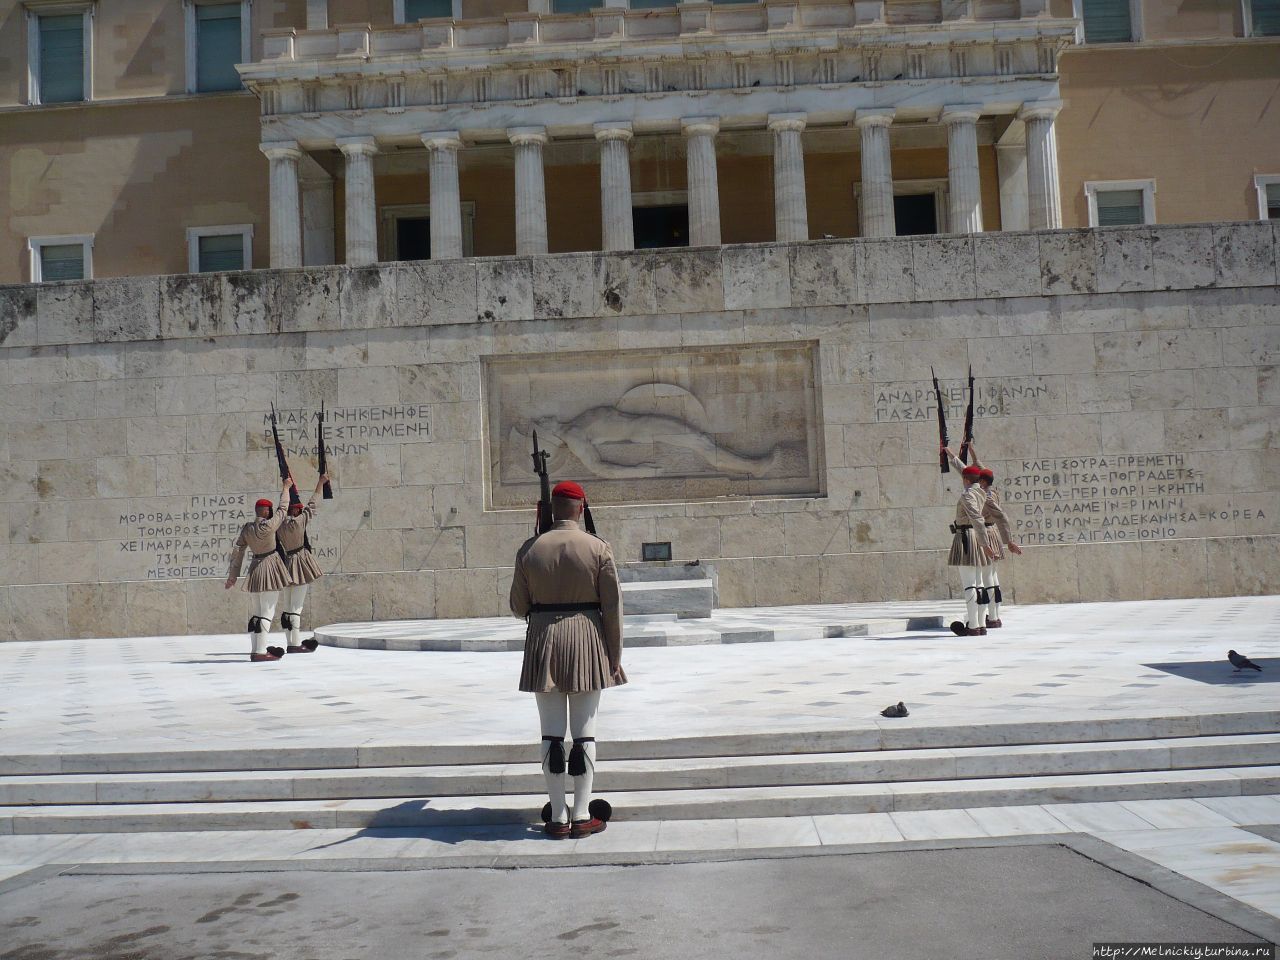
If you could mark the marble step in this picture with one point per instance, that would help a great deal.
(699, 804)
(875, 766)
(872, 735)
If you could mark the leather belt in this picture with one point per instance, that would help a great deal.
(563, 607)
(957, 527)
(263, 556)
(290, 553)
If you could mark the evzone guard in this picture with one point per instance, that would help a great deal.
(566, 587)
(267, 574)
(302, 568)
(970, 548)
(1000, 535)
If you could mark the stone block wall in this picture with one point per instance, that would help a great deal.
(1126, 380)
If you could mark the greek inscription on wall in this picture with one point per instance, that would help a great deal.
(348, 430)
(1108, 499)
(897, 402)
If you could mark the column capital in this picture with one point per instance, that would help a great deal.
(442, 140)
(961, 113)
(874, 117)
(281, 150)
(700, 126)
(357, 146)
(527, 136)
(779, 122)
(613, 130)
(1039, 110)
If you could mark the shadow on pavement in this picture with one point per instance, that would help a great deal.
(1222, 673)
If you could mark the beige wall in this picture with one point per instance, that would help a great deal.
(1201, 120)
(135, 175)
(1128, 401)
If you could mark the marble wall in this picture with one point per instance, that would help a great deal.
(1126, 382)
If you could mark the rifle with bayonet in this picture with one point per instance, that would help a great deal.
(968, 423)
(942, 425)
(294, 498)
(322, 455)
(542, 519)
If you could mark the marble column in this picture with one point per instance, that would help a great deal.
(1044, 207)
(704, 183)
(1011, 164)
(615, 185)
(964, 185)
(876, 204)
(531, 190)
(446, 199)
(286, 209)
(362, 213)
(790, 207)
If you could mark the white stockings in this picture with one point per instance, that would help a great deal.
(991, 580)
(291, 601)
(969, 579)
(264, 608)
(577, 711)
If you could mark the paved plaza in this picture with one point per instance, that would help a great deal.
(1105, 682)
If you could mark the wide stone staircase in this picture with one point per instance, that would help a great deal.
(874, 769)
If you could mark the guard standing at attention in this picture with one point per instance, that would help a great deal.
(267, 574)
(566, 587)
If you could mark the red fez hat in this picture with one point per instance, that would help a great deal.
(569, 490)
(971, 472)
(987, 474)
(263, 503)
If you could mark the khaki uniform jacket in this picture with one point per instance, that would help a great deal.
(994, 516)
(267, 571)
(572, 652)
(298, 560)
(971, 531)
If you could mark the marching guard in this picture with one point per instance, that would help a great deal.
(1000, 536)
(267, 574)
(566, 587)
(970, 548)
(302, 568)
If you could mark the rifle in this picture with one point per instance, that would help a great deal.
(542, 519)
(968, 423)
(294, 499)
(942, 423)
(322, 457)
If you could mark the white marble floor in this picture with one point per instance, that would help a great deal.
(1052, 662)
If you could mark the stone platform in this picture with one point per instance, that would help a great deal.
(746, 625)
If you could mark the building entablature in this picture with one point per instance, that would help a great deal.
(694, 50)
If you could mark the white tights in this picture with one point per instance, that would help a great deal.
(991, 580)
(264, 606)
(580, 709)
(291, 601)
(969, 578)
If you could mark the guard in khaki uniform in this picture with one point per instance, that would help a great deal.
(302, 567)
(267, 572)
(566, 586)
(970, 548)
(1000, 536)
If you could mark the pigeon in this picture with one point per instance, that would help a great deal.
(1241, 662)
(897, 710)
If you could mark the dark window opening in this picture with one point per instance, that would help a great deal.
(915, 214)
(661, 226)
(413, 238)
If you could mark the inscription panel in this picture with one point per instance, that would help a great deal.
(658, 425)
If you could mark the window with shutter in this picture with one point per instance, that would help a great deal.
(61, 59)
(221, 252)
(1118, 208)
(1107, 21)
(1273, 201)
(62, 261)
(415, 10)
(1266, 17)
(217, 46)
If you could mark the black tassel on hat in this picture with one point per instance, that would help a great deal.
(586, 518)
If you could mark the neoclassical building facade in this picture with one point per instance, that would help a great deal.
(170, 136)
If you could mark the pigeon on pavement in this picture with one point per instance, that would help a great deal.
(1241, 662)
(896, 710)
